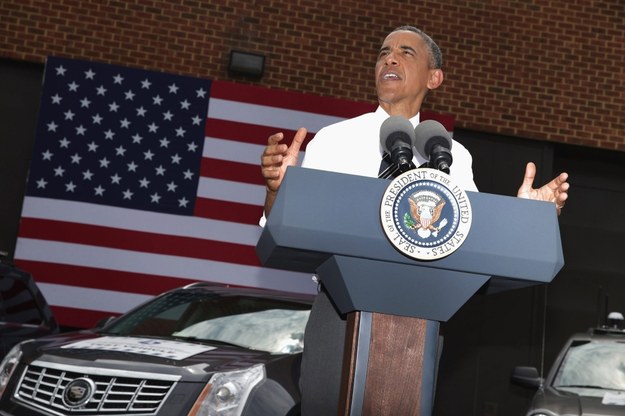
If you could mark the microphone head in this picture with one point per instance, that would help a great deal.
(428, 134)
(396, 131)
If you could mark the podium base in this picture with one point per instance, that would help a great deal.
(390, 365)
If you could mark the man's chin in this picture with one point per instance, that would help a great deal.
(389, 98)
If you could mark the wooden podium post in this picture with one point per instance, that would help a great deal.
(391, 336)
(329, 223)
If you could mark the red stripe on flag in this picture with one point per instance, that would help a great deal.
(231, 171)
(245, 133)
(96, 278)
(446, 119)
(228, 211)
(139, 241)
(290, 100)
(79, 318)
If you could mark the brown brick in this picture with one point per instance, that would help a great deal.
(544, 71)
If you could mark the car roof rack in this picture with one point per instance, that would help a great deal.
(614, 325)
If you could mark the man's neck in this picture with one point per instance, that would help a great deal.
(407, 111)
(414, 119)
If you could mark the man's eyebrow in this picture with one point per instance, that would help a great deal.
(402, 47)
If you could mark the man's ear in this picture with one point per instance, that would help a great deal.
(436, 78)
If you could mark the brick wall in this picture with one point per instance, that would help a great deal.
(544, 70)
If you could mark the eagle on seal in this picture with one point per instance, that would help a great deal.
(426, 215)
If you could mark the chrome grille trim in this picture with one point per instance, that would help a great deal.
(117, 392)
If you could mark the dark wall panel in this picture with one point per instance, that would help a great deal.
(20, 84)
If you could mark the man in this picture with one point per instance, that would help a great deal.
(408, 66)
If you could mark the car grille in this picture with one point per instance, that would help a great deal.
(116, 392)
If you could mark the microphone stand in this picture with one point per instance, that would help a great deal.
(395, 169)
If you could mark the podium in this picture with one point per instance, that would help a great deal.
(329, 224)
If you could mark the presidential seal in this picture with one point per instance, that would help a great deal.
(424, 215)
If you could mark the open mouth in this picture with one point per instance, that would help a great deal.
(390, 76)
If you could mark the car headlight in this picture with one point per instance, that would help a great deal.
(226, 393)
(8, 366)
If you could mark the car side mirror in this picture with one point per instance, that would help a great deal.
(526, 377)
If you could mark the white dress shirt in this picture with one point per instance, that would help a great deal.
(353, 146)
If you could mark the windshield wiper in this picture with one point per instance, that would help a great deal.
(209, 341)
(583, 386)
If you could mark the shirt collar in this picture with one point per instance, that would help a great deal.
(383, 115)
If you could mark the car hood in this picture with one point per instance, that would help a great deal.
(560, 402)
(190, 359)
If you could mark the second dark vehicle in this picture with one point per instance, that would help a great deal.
(587, 377)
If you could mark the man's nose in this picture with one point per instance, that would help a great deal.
(391, 59)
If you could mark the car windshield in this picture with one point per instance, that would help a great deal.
(272, 325)
(590, 368)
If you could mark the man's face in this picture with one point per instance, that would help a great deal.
(402, 72)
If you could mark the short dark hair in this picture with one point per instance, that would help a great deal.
(436, 56)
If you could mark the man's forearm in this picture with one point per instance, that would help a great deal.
(270, 197)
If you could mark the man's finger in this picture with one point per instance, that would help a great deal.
(530, 174)
(298, 139)
(275, 138)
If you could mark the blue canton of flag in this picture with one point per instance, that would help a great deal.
(119, 136)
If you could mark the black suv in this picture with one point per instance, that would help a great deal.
(587, 377)
(24, 313)
(199, 350)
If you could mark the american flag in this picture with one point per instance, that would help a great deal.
(144, 181)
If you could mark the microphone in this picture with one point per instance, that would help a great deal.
(397, 137)
(433, 142)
